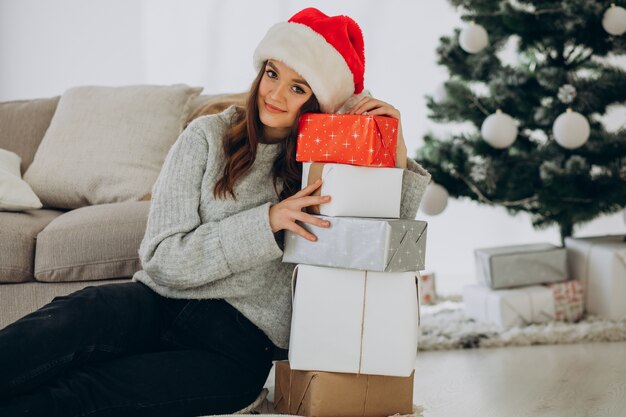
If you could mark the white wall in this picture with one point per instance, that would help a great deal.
(49, 46)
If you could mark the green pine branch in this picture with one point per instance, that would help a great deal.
(558, 43)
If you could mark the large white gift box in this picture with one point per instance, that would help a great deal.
(525, 305)
(600, 263)
(520, 265)
(356, 191)
(354, 321)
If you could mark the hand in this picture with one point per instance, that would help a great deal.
(283, 215)
(373, 107)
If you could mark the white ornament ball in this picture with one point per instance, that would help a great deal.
(440, 95)
(434, 200)
(499, 130)
(571, 129)
(614, 20)
(473, 38)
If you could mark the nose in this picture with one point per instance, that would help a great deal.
(278, 92)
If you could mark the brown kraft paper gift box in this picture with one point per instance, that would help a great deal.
(333, 394)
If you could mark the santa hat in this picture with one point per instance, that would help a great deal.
(326, 50)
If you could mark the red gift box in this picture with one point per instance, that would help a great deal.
(347, 139)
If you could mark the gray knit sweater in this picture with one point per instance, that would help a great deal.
(198, 247)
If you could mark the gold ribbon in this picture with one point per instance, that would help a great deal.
(367, 388)
(362, 324)
(290, 392)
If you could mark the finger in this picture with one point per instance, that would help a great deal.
(375, 103)
(357, 105)
(315, 221)
(299, 230)
(361, 105)
(369, 105)
(384, 111)
(307, 190)
(312, 200)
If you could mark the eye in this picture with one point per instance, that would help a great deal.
(298, 90)
(271, 74)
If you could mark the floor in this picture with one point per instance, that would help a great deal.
(580, 380)
(534, 381)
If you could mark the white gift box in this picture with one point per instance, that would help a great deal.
(525, 305)
(521, 265)
(354, 321)
(600, 263)
(356, 191)
(508, 308)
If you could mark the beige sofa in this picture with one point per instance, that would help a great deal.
(54, 251)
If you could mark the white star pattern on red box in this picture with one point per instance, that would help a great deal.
(347, 139)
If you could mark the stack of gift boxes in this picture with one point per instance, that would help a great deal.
(355, 316)
(539, 283)
(523, 284)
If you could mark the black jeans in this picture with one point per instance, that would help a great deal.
(124, 350)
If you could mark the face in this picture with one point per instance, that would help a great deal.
(282, 92)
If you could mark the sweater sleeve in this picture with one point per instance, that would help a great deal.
(414, 182)
(178, 250)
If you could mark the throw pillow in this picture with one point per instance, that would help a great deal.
(15, 193)
(108, 144)
(24, 122)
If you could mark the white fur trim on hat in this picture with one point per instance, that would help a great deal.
(310, 55)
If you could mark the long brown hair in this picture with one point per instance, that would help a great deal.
(240, 146)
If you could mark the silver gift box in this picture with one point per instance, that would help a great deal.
(372, 244)
(516, 266)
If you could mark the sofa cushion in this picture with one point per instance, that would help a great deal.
(24, 123)
(92, 243)
(15, 193)
(18, 233)
(107, 144)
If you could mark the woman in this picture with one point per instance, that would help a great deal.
(196, 330)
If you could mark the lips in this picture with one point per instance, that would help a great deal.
(273, 109)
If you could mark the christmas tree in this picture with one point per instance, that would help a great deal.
(539, 145)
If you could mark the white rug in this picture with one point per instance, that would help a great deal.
(444, 326)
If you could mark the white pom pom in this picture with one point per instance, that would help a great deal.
(473, 38)
(499, 130)
(571, 129)
(614, 20)
(435, 199)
